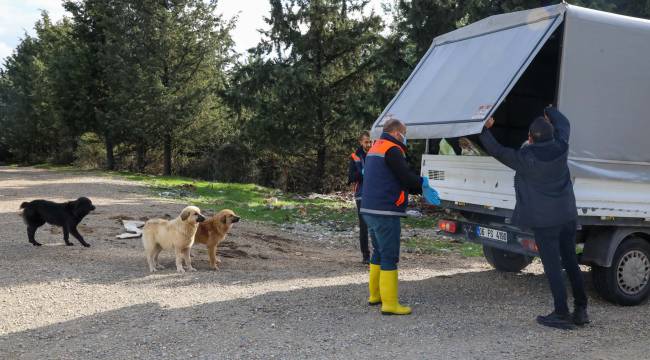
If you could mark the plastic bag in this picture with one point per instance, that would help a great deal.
(445, 148)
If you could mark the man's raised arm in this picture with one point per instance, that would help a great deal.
(560, 123)
(507, 156)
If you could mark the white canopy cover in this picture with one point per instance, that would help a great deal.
(604, 84)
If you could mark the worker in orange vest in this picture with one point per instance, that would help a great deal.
(355, 177)
(388, 181)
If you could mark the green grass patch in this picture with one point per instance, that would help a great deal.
(251, 201)
(440, 246)
(57, 167)
(259, 203)
(429, 221)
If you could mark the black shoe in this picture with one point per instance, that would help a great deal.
(366, 262)
(580, 316)
(555, 320)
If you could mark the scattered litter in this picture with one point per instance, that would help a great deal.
(188, 187)
(335, 196)
(133, 229)
(175, 193)
(271, 203)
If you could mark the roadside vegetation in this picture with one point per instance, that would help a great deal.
(108, 87)
(442, 246)
(335, 211)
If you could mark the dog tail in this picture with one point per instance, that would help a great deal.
(21, 212)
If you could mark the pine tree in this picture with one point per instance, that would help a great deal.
(305, 84)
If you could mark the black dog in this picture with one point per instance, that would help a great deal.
(67, 215)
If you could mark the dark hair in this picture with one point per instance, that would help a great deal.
(364, 134)
(541, 130)
(393, 124)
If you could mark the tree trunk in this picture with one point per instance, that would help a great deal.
(321, 148)
(110, 156)
(141, 156)
(167, 169)
(321, 152)
(321, 157)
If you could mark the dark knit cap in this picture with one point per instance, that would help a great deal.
(541, 130)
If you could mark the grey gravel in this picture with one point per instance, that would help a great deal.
(297, 292)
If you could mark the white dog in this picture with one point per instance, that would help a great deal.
(159, 234)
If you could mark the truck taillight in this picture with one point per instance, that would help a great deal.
(447, 226)
(529, 244)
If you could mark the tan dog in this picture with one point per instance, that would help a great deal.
(159, 234)
(212, 231)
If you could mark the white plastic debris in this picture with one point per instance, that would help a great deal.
(133, 229)
(414, 213)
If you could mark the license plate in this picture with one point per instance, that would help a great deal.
(492, 234)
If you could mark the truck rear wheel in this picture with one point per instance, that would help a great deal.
(504, 260)
(627, 281)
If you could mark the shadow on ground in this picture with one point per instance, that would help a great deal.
(491, 319)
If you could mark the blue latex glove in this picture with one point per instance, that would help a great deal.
(430, 194)
(425, 183)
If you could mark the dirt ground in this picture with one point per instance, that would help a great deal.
(279, 294)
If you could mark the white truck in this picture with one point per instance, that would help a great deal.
(595, 67)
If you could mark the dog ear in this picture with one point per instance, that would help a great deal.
(71, 206)
(185, 214)
(77, 209)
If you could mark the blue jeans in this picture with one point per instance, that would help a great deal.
(385, 234)
(557, 249)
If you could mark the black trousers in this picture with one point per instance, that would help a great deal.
(363, 234)
(557, 249)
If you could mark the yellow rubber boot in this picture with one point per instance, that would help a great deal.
(373, 285)
(388, 292)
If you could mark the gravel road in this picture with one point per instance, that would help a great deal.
(279, 294)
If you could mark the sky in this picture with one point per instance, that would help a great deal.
(18, 17)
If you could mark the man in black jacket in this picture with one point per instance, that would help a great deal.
(546, 203)
(355, 176)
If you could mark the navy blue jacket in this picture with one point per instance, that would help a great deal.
(355, 171)
(543, 187)
(388, 179)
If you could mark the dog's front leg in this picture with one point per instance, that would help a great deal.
(75, 233)
(179, 261)
(66, 236)
(31, 232)
(188, 259)
(213, 258)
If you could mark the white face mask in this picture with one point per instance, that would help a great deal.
(403, 138)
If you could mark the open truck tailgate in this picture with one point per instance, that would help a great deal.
(467, 73)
